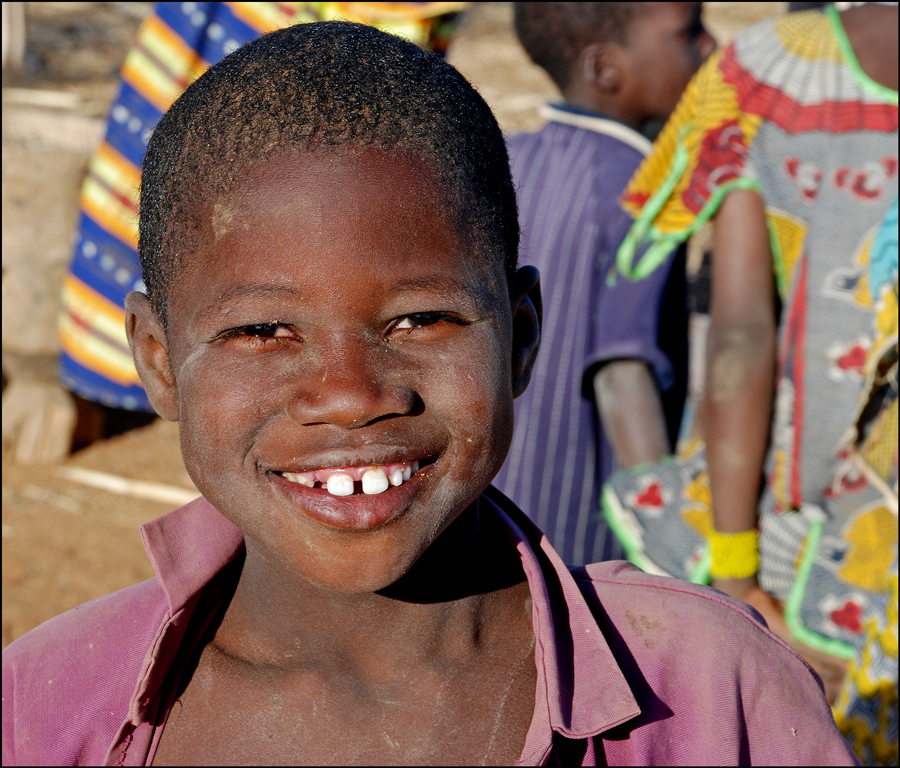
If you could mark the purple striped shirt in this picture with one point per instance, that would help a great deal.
(569, 176)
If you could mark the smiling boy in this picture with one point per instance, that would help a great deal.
(336, 319)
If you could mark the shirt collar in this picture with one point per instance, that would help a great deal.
(188, 547)
(564, 114)
(581, 691)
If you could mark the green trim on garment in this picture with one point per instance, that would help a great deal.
(642, 225)
(829, 645)
(645, 465)
(888, 95)
(613, 512)
(662, 246)
(781, 276)
(700, 573)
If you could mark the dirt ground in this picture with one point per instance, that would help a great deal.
(64, 542)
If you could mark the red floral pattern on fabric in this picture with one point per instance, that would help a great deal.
(651, 496)
(721, 160)
(848, 616)
(849, 482)
(853, 360)
(868, 182)
(637, 199)
(806, 175)
(848, 359)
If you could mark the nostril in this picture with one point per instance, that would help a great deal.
(352, 404)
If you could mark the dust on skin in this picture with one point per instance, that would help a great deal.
(222, 216)
(729, 372)
(225, 212)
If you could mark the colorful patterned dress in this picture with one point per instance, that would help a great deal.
(174, 46)
(786, 110)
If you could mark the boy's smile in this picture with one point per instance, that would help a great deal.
(341, 362)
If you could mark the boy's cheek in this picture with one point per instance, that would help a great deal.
(218, 406)
(223, 400)
(477, 406)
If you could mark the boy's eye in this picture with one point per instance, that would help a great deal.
(264, 330)
(267, 330)
(423, 319)
(261, 331)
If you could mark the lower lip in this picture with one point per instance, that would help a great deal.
(358, 512)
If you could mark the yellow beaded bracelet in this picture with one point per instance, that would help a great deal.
(733, 555)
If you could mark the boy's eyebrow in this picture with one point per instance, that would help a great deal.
(245, 290)
(430, 284)
(474, 290)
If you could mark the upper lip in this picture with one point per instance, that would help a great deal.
(344, 459)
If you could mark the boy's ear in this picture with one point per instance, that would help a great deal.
(149, 348)
(601, 65)
(525, 298)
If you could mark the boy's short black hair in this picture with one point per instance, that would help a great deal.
(554, 34)
(322, 86)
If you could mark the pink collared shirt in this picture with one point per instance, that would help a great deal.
(632, 669)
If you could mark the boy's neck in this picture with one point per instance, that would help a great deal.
(649, 129)
(468, 584)
(586, 99)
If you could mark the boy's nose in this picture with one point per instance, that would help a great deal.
(349, 384)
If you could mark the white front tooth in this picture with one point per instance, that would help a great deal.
(407, 473)
(374, 481)
(340, 484)
(396, 477)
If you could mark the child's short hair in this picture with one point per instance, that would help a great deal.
(553, 34)
(318, 87)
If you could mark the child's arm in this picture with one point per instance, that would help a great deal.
(631, 412)
(740, 365)
(740, 386)
(633, 365)
(740, 373)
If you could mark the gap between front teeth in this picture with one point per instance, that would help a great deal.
(374, 480)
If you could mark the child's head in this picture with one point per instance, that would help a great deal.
(328, 229)
(322, 87)
(628, 60)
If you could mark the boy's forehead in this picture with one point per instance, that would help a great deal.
(380, 198)
(317, 168)
(323, 185)
(382, 211)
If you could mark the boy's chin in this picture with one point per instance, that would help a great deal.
(360, 577)
(349, 570)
